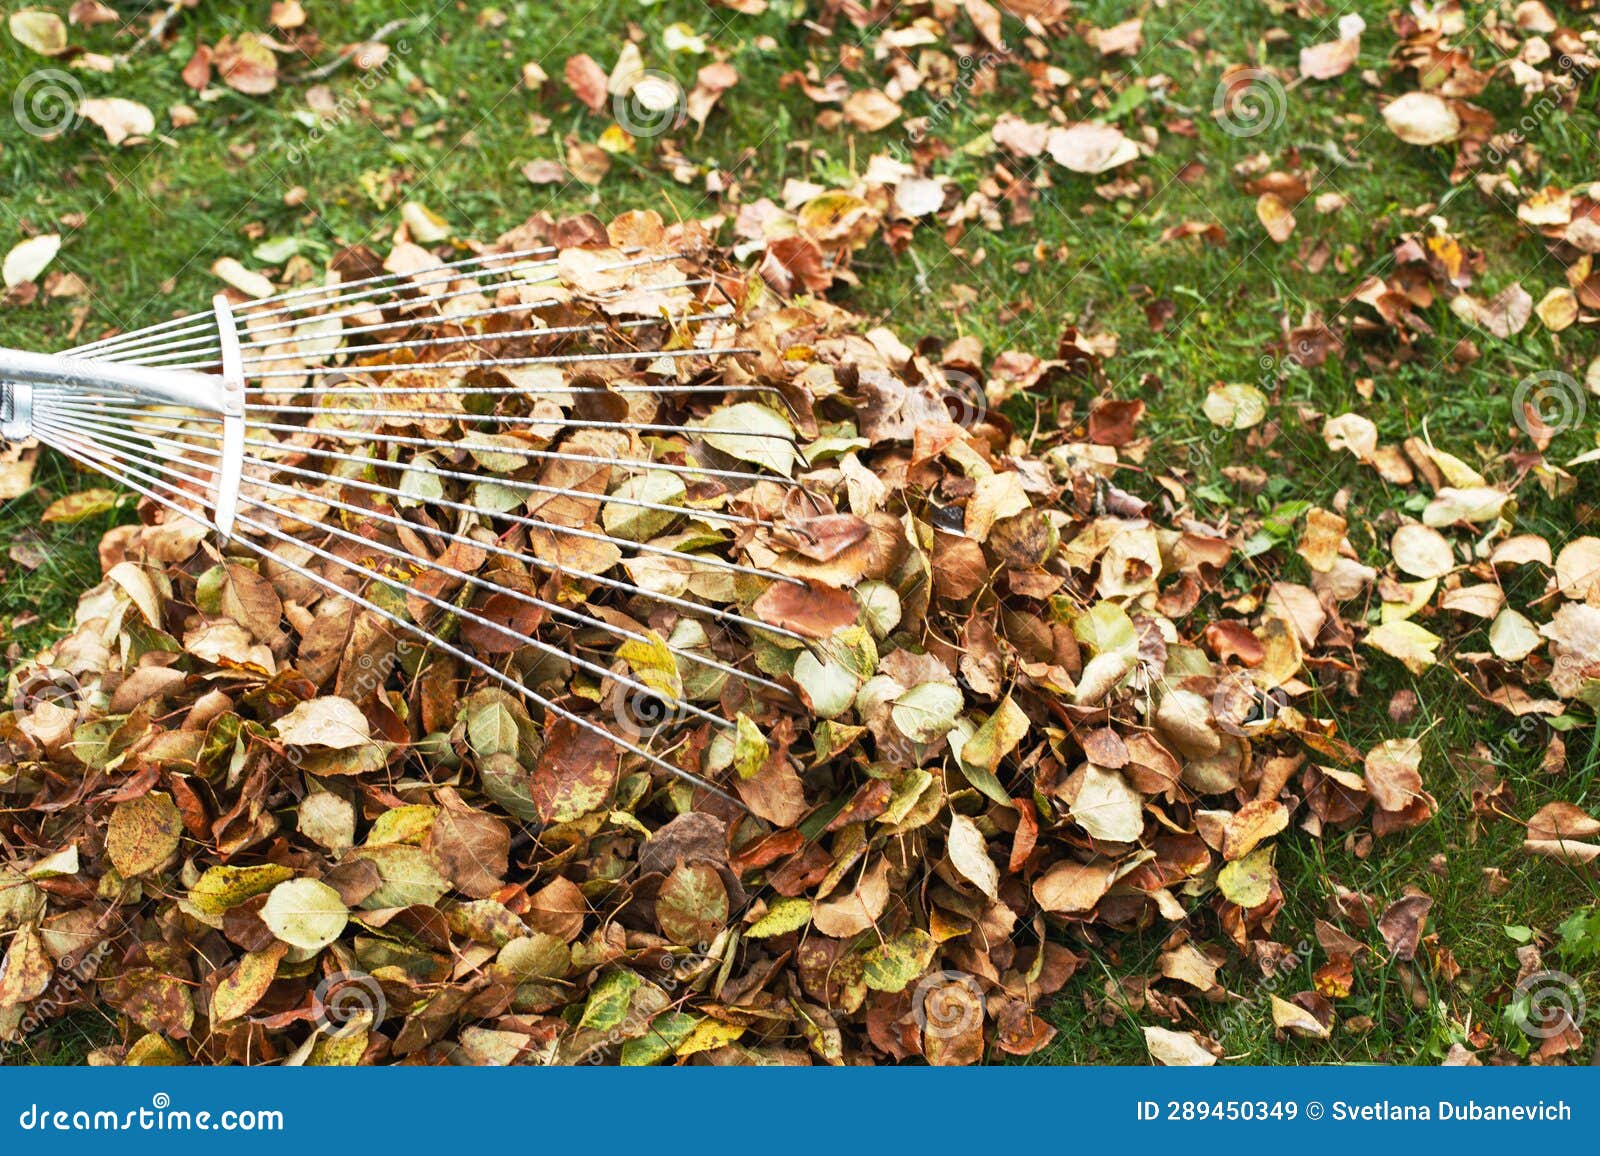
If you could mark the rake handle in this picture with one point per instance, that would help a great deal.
(22, 371)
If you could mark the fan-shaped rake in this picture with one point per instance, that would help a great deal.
(275, 424)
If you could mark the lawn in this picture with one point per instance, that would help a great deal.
(447, 121)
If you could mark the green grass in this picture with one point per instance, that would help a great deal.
(450, 127)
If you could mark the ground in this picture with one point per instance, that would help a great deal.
(448, 123)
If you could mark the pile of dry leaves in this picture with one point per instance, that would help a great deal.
(1027, 708)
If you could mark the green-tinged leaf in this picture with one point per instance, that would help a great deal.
(927, 711)
(80, 506)
(708, 1035)
(997, 737)
(652, 663)
(151, 1051)
(692, 905)
(242, 988)
(624, 516)
(754, 433)
(895, 964)
(750, 749)
(828, 685)
(1235, 407)
(880, 607)
(411, 876)
(1248, 881)
(783, 916)
(609, 999)
(666, 1032)
(1105, 628)
(422, 485)
(408, 824)
(223, 887)
(305, 913)
(143, 833)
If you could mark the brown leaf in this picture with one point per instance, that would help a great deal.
(853, 911)
(121, 119)
(587, 80)
(1328, 60)
(1394, 777)
(810, 608)
(1071, 888)
(577, 773)
(197, 73)
(25, 973)
(1402, 922)
(692, 906)
(247, 63)
(143, 833)
(870, 110)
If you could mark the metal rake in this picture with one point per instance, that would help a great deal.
(222, 418)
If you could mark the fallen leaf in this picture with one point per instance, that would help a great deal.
(1087, 147)
(120, 119)
(38, 31)
(305, 913)
(30, 258)
(1421, 118)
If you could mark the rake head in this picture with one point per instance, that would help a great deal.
(524, 459)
